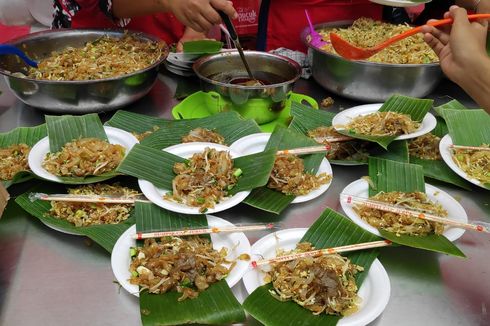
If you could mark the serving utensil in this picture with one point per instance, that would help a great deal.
(352, 200)
(209, 230)
(10, 49)
(316, 38)
(234, 37)
(352, 52)
(320, 252)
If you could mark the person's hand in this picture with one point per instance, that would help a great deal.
(189, 35)
(461, 48)
(201, 15)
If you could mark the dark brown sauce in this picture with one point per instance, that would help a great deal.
(248, 82)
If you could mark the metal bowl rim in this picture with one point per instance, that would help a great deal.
(75, 31)
(204, 59)
(339, 23)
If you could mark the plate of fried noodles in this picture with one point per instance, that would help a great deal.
(434, 201)
(367, 120)
(202, 184)
(83, 157)
(288, 175)
(329, 284)
(471, 165)
(232, 250)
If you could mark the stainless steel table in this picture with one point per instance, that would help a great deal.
(50, 278)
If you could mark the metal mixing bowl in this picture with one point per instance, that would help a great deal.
(369, 81)
(74, 96)
(263, 103)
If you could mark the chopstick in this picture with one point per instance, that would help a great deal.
(87, 198)
(333, 139)
(320, 252)
(304, 150)
(476, 148)
(197, 231)
(395, 209)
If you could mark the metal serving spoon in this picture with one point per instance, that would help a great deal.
(10, 49)
(234, 36)
(351, 52)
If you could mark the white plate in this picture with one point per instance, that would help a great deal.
(399, 3)
(41, 149)
(180, 63)
(237, 244)
(186, 150)
(178, 70)
(375, 290)
(454, 209)
(342, 118)
(446, 154)
(255, 143)
(60, 230)
(42, 11)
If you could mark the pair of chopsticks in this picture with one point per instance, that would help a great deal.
(353, 200)
(476, 148)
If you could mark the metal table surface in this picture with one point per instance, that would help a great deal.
(51, 278)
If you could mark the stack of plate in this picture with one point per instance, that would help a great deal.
(181, 63)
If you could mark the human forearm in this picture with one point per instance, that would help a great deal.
(477, 83)
(131, 8)
(482, 6)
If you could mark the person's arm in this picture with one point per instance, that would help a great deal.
(479, 6)
(462, 54)
(200, 15)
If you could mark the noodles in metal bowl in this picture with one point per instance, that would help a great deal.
(368, 81)
(105, 93)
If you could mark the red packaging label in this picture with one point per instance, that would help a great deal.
(248, 16)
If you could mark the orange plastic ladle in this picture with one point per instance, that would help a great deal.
(351, 52)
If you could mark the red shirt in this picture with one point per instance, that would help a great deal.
(91, 15)
(287, 18)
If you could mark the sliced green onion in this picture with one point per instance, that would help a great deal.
(133, 251)
(238, 172)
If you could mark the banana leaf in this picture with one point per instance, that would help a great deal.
(274, 201)
(135, 122)
(215, 305)
(66, 128)
(414, 107)
(451, 105)
(228, 124)
(202, 46)
(105, 235)
(331, 229)
(306, 119)
(156, 166)
(389, 176)
(468, 127)
(23, 135)
(437, 169)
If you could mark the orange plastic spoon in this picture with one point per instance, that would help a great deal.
(351, 52)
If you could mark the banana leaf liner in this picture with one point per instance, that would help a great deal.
(156, 166)
(66, 128)
(331, 229)
(306, 119)
(386, 176)
(215, 305)
(22, 135)
(469, 128)
(437, 169)
(105, 235)
(414, 107)
(274, 201)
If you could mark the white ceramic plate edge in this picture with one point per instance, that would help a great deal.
(41, 148)
(155, 194)
(455, 210)
(377, 282)
(120, 258)
(447, 157)
(428, 123)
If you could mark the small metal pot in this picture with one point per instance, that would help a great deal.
(369, 81)
(74, 96)
(263, 103)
